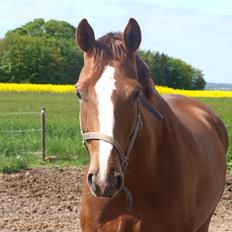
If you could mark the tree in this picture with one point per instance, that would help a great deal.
(34, 28)
(40, 52)
(46, 52)
(198, 80)
(172, 72)
(60, 29)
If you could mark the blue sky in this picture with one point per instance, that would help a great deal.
(197, 31)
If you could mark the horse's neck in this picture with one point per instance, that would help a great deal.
(143, 161)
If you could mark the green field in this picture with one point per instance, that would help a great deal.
(223, 107)
(62, 130)
(63, 141)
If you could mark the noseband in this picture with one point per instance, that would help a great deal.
(124, 156)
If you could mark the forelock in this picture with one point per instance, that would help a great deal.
(109, 47)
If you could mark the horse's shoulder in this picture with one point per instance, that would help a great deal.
(197, 116)
(182, 106)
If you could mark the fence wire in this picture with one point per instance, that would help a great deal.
(17, 113)
(24, 130)
(19, 131)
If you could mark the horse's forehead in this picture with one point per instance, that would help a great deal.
(106, 82)
(93, 69)
(106, 78)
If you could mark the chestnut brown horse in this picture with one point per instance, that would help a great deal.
(166, 153)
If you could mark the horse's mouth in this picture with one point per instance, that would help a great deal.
(107, 194)
(111, 195)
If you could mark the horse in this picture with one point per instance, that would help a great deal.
(156, 162)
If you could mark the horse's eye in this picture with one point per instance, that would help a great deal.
(78, 93)
(135, 95)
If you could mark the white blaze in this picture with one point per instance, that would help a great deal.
(104, 89)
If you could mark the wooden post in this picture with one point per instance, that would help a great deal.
(43, 132)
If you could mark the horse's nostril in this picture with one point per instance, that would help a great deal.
(90, 178)
(118, 182)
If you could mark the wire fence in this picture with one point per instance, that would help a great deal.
(17, 113)
(19, 131)
(41, 130)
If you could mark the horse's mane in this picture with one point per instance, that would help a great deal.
(111, 47)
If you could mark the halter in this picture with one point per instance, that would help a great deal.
(124, 156)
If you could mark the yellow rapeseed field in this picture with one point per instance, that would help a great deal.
(195, 93)
(48, 88)
(36, 88)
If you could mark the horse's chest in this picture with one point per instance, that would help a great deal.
(132, 224)
(124, 223)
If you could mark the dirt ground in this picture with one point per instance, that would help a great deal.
(47, 200)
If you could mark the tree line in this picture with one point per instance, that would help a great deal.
(46, 52)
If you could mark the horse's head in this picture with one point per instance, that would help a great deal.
(108, 88)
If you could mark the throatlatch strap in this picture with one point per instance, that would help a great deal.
(150, 108)
(133, 138)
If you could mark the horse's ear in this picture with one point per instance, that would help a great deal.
(85, 36)
(132, 35)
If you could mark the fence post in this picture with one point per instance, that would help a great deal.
(43, 132)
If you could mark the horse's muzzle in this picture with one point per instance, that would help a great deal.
(104, 188)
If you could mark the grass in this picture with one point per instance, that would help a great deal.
(63, 140)
(20, 150)
(223, 107)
